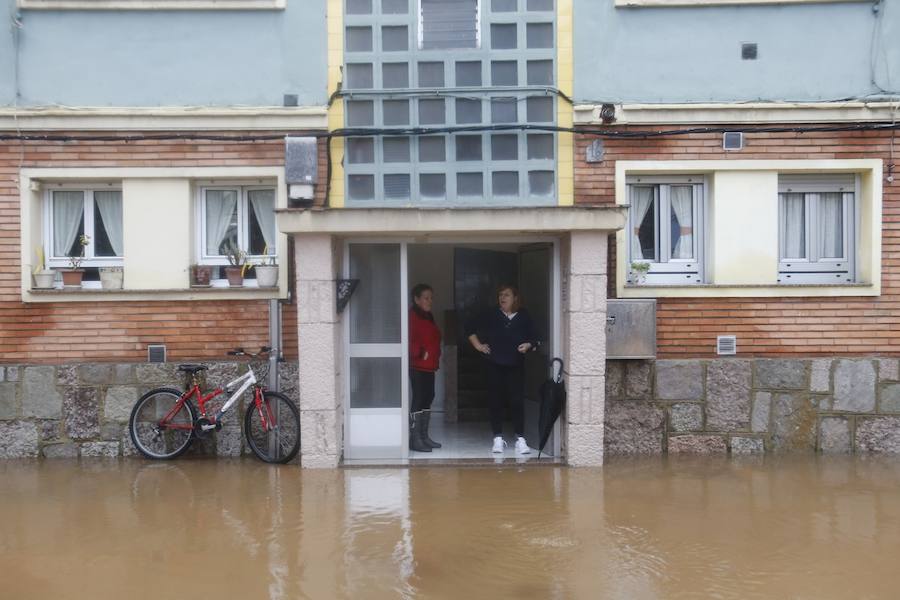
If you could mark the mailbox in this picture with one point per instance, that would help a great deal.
(630, 328)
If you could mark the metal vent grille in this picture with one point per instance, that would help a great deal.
(726, 344)
(732, 140)
(156, 353)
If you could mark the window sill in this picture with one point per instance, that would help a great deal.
(711, 290)
(151, 4)
(125, 295)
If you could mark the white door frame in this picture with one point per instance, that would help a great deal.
(404, 242)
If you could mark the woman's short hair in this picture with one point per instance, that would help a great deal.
(420, 289)
(515, 292)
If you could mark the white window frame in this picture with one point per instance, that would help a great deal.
(243, 208)
(667, 270)
(815, 269)
(88, 190)
(420, 29)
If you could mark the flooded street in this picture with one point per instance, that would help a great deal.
(806, 527)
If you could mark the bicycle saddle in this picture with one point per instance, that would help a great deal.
(192, 368)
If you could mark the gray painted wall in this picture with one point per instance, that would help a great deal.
(808, 53)
(170, 58)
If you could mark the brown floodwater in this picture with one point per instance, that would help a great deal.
(807, 527)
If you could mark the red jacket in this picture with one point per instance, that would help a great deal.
(424, 338)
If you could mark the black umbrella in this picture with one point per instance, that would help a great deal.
(553, 399)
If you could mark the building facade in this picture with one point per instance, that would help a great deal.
(733, 162)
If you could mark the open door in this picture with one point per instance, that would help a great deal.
(376, 363)
(536, 287)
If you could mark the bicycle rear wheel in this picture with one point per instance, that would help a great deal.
(273, 428)
(159, 440)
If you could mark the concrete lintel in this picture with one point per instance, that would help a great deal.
(375, 221)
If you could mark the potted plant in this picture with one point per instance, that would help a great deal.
(111, 278)
(201, 275)
(237, 265)
(43, 277)
(639, 271)
(73, 275)
(267, 272)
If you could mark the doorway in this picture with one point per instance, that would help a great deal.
(464, 276)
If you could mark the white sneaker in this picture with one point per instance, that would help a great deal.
(522, 446)
(499, 445)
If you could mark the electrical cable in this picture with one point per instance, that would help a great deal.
(638, 132)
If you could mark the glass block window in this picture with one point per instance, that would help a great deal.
(431, 74)
(505, 183)
(435, 64)
(468, 73)
(504, 72)
(504, 110)
(468, 147)
(359, 7)
(394, 39)
(395, 75)
(396, 186)
(360, 113)
(395, 112)
(540, 72)
(501, 6)
(360, 150)
(359, 76)
(504, 146)
(359, 39)
(468, 111)
(396, 149)
(432, 112)
(433, 186)
(431, 149)
(394, 7)
(503, 36)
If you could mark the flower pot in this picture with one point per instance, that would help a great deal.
(201, 274)
(235, 276)
(44, 279)
(111, 278)
(72, 277)
(266, 275)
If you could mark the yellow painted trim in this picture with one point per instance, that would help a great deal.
(870, 228)
(335, 24)
(565, 151)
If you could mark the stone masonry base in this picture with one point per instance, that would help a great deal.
(753, 406)
(82, 410)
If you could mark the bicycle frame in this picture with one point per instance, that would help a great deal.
(248, 379)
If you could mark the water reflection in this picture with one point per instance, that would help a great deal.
(803, 527)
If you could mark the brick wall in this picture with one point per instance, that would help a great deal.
(766, 326)
(54, 333)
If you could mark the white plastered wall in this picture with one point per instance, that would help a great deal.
(742, 228)
(160, 230)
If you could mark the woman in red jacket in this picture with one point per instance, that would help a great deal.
(424, 358)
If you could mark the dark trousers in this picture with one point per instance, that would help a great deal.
(422, 390)
(506, 384)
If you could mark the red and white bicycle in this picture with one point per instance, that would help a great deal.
(164, 421)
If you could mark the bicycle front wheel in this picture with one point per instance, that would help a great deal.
(157, 429)
(272, 427)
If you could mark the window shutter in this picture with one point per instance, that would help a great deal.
(449, 24)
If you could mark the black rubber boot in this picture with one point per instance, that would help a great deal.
(416, 424)
(426, 421)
